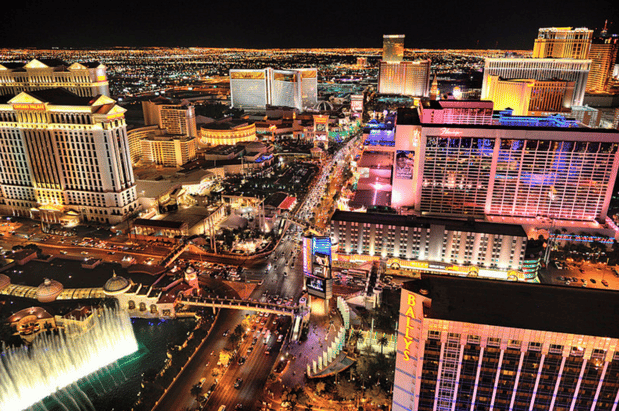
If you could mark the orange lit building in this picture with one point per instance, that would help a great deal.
(227, 133)
(83, 79)
(527, 96)
(65, 153)
(603, 55)
(393, 48)
(563, 43)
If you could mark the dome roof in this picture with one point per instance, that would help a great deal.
(4, 281)
(49, 290)
(323, 106)
(116, 285)
(36, 311)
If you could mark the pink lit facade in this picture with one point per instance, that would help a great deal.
(479, 171)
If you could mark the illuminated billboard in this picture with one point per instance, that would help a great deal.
(404, 164)
(321, 245)
(307, 255)
(317, 266)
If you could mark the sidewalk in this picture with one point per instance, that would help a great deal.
(323, 331)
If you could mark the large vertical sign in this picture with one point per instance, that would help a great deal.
(321, 130)
(307, 255)
(317, 266)
(410, 347)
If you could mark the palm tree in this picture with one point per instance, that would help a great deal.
(383, 341)
(356, 335)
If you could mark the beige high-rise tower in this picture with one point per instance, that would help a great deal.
(603, 55)
(563, 43)
(393, 48)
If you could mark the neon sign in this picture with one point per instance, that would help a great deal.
(410, 318)
(29, 106)
(449, 132)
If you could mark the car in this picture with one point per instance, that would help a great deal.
(254, 341)
(592, 281)
(239, 406)
(201, 383)
(583, 280)
(280, 337)
(267, 351)
(63, 252)
(226, 333)
(242, 360)
(250, 349)
(84, 253)
(238, 382)
(574, 279)
(605, 283)
(584, 284)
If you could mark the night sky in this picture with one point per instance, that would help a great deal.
(290, 24)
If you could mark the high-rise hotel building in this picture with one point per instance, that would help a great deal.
(545, 69)
(255, 89)
(527, 96)
(603, 55)
(62, 153)
(473, 344)
(409, 78)
(393, 48)
(83, 79)
(563, 43)
(515, 170)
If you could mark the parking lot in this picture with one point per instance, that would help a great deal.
(582, 274)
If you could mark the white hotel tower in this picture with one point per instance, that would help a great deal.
(64, 157)
(257, 88)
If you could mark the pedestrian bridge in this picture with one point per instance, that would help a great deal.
(252, 305)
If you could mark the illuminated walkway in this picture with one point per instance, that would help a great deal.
(239, 305)
(26, 291)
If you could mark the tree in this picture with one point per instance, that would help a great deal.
(239, 329)
(377, 395)
(345, 389)
(383, 341)
(356, 335)
(320, 387)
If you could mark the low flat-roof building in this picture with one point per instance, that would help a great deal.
(421, 244)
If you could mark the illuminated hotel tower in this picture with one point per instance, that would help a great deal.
(563, 43)
(522, 170)
(410, 78)
(83, 79)
(64, 154)
(570, 70)
(393, 48)
(255, 89)
(603, 55)
(473, 344)
(530, 96)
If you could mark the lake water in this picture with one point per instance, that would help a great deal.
(116, 387)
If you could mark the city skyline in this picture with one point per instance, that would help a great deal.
(315, 25)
